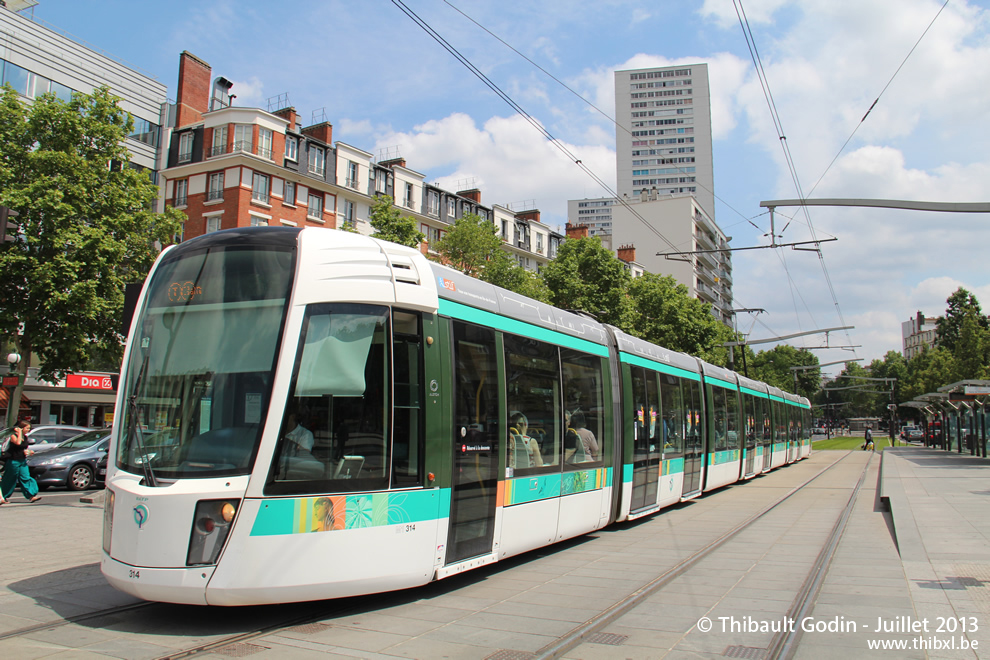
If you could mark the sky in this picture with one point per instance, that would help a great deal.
(388, 87)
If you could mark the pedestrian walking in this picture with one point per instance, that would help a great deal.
(16, 472)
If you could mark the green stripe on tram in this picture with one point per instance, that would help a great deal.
(639, 361)
(506, 324)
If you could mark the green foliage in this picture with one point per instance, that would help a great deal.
(87, 229)
(585, 276)
(472, 246)
(962, 304)
(663, 312)
(774, 368)
(390, 225)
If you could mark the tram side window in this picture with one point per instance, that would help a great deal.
(751, 419)
(732, 419)
(718, 410)
(407, 425)
(584, 423)
(673, 408)
(532, 395)
(333, 436)
(692, 404)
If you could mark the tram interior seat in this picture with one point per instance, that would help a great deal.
(520, 452)
(348, 467)
(221, 449)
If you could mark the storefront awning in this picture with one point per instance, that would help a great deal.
(5, 399)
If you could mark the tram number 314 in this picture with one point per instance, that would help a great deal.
(402, 529)
(134, 575)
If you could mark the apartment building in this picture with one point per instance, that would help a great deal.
(663, 134)
(230, 166)
(917, 334)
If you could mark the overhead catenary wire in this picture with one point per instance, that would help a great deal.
(426, 27)
(681, 170)
(877, 99)
(782, 140)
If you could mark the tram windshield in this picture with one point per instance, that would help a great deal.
(201, 364)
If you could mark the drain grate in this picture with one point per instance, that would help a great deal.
(607, 638)
(746, 652)
(239, 650)
(509, 654)
(311, 628)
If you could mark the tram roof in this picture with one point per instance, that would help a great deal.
(457, 287)
(644, 349)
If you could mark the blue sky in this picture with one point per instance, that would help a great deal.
(385, 84)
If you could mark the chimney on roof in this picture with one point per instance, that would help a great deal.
(194, 90)
(393, 162)
(626, 253)
(576, 231)
(289, 115)
(532, 214)
(474, 195)
(322, 132)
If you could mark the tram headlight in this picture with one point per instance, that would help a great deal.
(108, 519)
(211, 526)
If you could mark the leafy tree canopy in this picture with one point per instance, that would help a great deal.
(962, 304)
(774, 368)
(585, 276)
(390, 225)
(663, 312)
(86, 228)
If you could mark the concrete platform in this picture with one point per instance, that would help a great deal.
(926, 559)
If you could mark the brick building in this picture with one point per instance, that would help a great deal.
(231, 166)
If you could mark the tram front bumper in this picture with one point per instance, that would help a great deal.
(166, 585)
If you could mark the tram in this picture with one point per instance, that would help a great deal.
(307, 414)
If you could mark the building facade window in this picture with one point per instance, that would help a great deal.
(539, 243)
(451, 207)
(348, 212)
(352, 174)
(408, 200)
(433, 203)
(290, 193)
(291, 148)
(315, 209)
(181, 191)
(260, 188)
(380, 182)
(317, 161)
(219, 141)
(243, 137)
(265, 143)
(185, 147)
(215, 191)
(258, 221)
(213, 224)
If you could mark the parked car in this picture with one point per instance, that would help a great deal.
(48, 436)
(915, 435)
(74, 463)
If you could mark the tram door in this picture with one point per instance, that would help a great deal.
(694, 445)
(750, 428)
(648, 438)
(475, 443)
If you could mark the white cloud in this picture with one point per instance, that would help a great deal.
(507, 158)
(250, 93)
(639, 16)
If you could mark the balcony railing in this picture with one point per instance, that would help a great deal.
(218, 150)
(351, 183)
(265, 153)
(185, 156)
(214, 195)
(181, 201)
(242, 145)
(317, 170)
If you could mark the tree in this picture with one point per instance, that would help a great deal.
(471, 245)
(390, 225)
(962, 303)
(664, 313)
(970, 351)
(774, 368)
(585, 276)
(86, 228)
